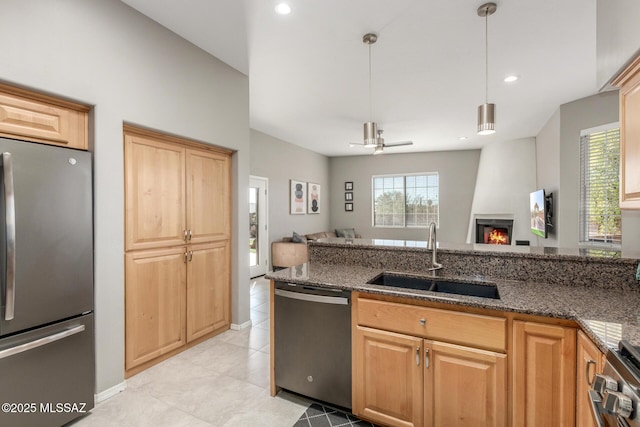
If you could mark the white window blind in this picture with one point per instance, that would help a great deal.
(409, 200)
(600, 217)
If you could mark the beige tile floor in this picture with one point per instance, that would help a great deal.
(222, 382)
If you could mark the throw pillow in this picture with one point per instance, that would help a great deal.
(349, 233)
(297, 238)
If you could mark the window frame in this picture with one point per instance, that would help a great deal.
(404, 178)
(583, 228)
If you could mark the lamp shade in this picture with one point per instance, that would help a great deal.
(370, 134)
(486, 119)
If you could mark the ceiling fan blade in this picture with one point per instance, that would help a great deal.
(397, 144)
(356, 144)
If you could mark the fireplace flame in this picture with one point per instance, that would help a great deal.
(497, 237)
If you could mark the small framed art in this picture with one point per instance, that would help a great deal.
(348, 196)
(313, 198)
(348, 186)
(298, 197)
(348, 207)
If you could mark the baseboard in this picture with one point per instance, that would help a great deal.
(245, 325)
(110, 392)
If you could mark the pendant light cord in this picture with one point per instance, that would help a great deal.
(370, 91)
(486, 58)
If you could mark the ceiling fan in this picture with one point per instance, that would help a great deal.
(373, 135)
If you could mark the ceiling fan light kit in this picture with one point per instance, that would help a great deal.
(486, 111)
(372, 136)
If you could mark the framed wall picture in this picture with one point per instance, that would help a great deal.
(348, 196)
(348, 186)
(313, 198)
(348, 207)
(298, 197)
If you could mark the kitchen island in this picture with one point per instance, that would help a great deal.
(422, 357)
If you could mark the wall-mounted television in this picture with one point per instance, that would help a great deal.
(541, 208)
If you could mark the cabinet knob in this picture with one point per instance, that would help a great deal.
(423, 321)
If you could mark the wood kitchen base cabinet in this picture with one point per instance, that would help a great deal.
(387, 386)
(544, 377)
(590, 361)
(405, 380)
(464, 386)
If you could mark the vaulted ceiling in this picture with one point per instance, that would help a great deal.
(309, 70)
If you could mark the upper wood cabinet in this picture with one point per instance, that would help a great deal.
(34, 117)
(589, 363)
(544, 376)
(207, 196)
(629, 83)
(175, 194)
(155, 193)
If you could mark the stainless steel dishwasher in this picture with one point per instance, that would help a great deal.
(313, 342)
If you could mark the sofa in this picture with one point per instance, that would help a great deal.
(287, 252)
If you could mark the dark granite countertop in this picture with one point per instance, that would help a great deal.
(606, 315)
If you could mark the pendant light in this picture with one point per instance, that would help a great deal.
(486, 111)
(370, 127)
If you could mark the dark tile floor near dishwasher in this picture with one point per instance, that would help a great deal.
(317, 415)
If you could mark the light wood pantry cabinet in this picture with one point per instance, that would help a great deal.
(155, 304)
(419, 366)
(629, 84)
(590, 361)
(544, 377)
(177, 199)
(207, 289)
(31, 116)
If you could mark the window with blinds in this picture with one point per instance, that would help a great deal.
(405, 200)
(600, 217)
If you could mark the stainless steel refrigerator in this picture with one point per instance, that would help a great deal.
(46, 293)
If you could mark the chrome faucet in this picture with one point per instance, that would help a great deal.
(432, 244)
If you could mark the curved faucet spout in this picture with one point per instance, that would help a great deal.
(432, 244)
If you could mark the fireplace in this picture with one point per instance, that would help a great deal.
(494, 231)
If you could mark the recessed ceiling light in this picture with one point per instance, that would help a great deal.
(283, 8)
(510, 79)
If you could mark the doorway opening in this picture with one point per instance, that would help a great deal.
(258, 234)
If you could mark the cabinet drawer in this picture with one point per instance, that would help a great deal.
(443, 325)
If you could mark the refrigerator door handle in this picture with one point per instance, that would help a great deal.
(40, 342)
(10, 219)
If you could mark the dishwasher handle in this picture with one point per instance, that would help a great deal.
(312, 298)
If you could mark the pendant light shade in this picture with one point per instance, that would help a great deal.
(370, 134)
(486, 119)
(486, 111)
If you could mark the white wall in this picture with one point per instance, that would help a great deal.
(559, 143)
(548, 172)
(130, 69)
(281, 161)
(617, 36)
(457, 173)
(506, 176)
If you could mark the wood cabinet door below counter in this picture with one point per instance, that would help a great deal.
(544, 375)
(589, 363)
(464, 387)
(387, 377)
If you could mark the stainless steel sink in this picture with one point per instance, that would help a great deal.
(434, 284)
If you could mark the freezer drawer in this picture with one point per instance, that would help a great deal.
(51, 383)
